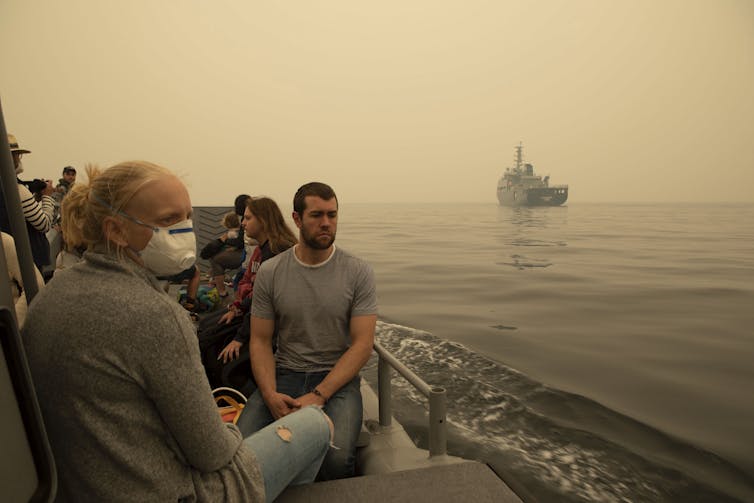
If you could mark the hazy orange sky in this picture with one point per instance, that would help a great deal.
(624, 100)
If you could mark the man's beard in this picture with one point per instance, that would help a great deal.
(316, 244)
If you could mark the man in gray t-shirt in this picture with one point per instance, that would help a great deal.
(321, 303)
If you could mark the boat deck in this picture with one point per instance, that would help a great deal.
(470, 481)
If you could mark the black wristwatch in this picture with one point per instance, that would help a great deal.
(316, 392)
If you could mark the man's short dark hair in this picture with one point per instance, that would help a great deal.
(69, 169)
(319, 189)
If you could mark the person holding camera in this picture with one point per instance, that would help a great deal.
(37, 205)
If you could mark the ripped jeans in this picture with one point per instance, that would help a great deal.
(344, 408)
(290, 450)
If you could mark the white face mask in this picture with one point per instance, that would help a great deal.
(171, 249)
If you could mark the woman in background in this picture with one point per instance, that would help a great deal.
(224, 336)
(264, 222)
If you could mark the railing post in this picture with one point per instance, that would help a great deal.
(383, 391)
(438, 436)
(438, 440)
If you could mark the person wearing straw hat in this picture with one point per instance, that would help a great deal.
(38, 208)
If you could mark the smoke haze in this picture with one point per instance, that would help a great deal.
(390, 101)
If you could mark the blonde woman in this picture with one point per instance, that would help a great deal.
(115, 362)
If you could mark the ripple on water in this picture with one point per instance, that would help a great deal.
(502, 412)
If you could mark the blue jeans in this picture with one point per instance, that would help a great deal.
(293, 461)
(344, 408)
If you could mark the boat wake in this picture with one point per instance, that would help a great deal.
(558, 446)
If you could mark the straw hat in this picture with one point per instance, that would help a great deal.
(14, 146)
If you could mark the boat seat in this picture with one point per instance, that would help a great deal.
(27, 469)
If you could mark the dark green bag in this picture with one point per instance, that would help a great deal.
(211, 249)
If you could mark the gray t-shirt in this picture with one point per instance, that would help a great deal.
(313, 305)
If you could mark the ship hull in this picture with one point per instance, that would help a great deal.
(545, 196)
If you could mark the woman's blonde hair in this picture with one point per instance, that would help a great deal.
(268, 213)
(231, 221)
(105, 194)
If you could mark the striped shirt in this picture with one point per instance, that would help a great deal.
(37, 213)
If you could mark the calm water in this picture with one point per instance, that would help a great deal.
(594, 352)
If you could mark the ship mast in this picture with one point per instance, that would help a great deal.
(519, 156)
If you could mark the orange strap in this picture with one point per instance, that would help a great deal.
(231, 412)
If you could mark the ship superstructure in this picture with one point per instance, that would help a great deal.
(519, 186)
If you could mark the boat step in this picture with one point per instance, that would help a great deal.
(470, 481)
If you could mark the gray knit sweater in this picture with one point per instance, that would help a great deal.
(126, 403)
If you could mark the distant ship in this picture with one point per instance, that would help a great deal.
(519, 186)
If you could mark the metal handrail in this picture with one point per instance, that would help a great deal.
(438, 438)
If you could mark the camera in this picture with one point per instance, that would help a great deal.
(35, 186)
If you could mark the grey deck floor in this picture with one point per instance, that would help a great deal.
(470, 481)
